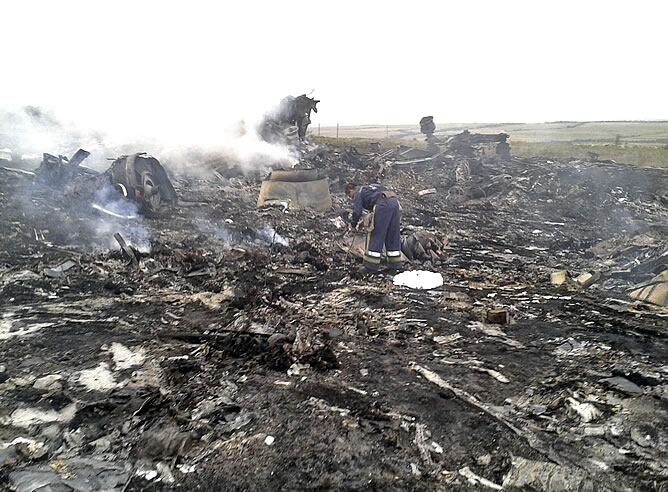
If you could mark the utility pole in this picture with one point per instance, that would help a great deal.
(337, 131)
(318, 129)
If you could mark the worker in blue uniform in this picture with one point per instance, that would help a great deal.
(383, 223)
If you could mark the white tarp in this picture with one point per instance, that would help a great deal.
(419, 279)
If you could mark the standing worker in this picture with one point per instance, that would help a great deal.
(384, 222)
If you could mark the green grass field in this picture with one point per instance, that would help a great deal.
(640, 143)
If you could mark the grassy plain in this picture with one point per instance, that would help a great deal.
(643, 143)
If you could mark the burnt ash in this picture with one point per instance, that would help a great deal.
(226, 337)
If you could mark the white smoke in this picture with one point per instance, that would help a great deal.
(182, 142)
(116, 214)
(134, 231)
(188, 140)
(263, 236)
(269, 235)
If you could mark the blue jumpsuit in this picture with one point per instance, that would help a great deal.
(384, 231)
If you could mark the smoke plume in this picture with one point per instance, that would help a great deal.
(185, 146)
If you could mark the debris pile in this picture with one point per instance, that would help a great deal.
(238, 345)
(139, 179)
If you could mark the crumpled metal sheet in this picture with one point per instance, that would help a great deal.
(128, 170)
(299, 195)
(78, 474)
(549, 477)
(295, 175)
(654, 291)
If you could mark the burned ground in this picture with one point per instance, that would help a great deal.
(228, 360)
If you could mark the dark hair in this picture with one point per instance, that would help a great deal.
(350, 187)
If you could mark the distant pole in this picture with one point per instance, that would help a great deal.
(318, 129)
(387, 131)
(337, 131)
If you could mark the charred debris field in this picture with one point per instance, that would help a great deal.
(212, 344)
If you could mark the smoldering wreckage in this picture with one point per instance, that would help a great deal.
(177, 331)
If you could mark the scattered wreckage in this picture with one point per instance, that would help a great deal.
(465, 144)
(241, 348)
(137, 178)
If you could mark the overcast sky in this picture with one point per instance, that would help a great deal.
(191, 67)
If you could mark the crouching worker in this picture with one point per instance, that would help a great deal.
(382, 223)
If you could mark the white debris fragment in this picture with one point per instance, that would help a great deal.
(324, 406)
(100, 208)
(584, 278)
(184, 468)
(99, 378)
(527, 474)
(437, 449)
(418, 279)
(357, 390)
(477, 479)
(600, 464)
(33, 446)
(178, 357)
(497, 375)
(147, 474)
(125, 358)
(165, 471)
(269, 440)
(445, 339)
(22, 381)
(491, 331)
(50, 382)
(10, 328)
(161, 473)
(25, 417)
(587, 411)
(339, 223)
(594, 430)
(298, 369)
(206, 408)
(558, 278)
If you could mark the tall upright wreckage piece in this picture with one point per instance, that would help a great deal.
(290, 112)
